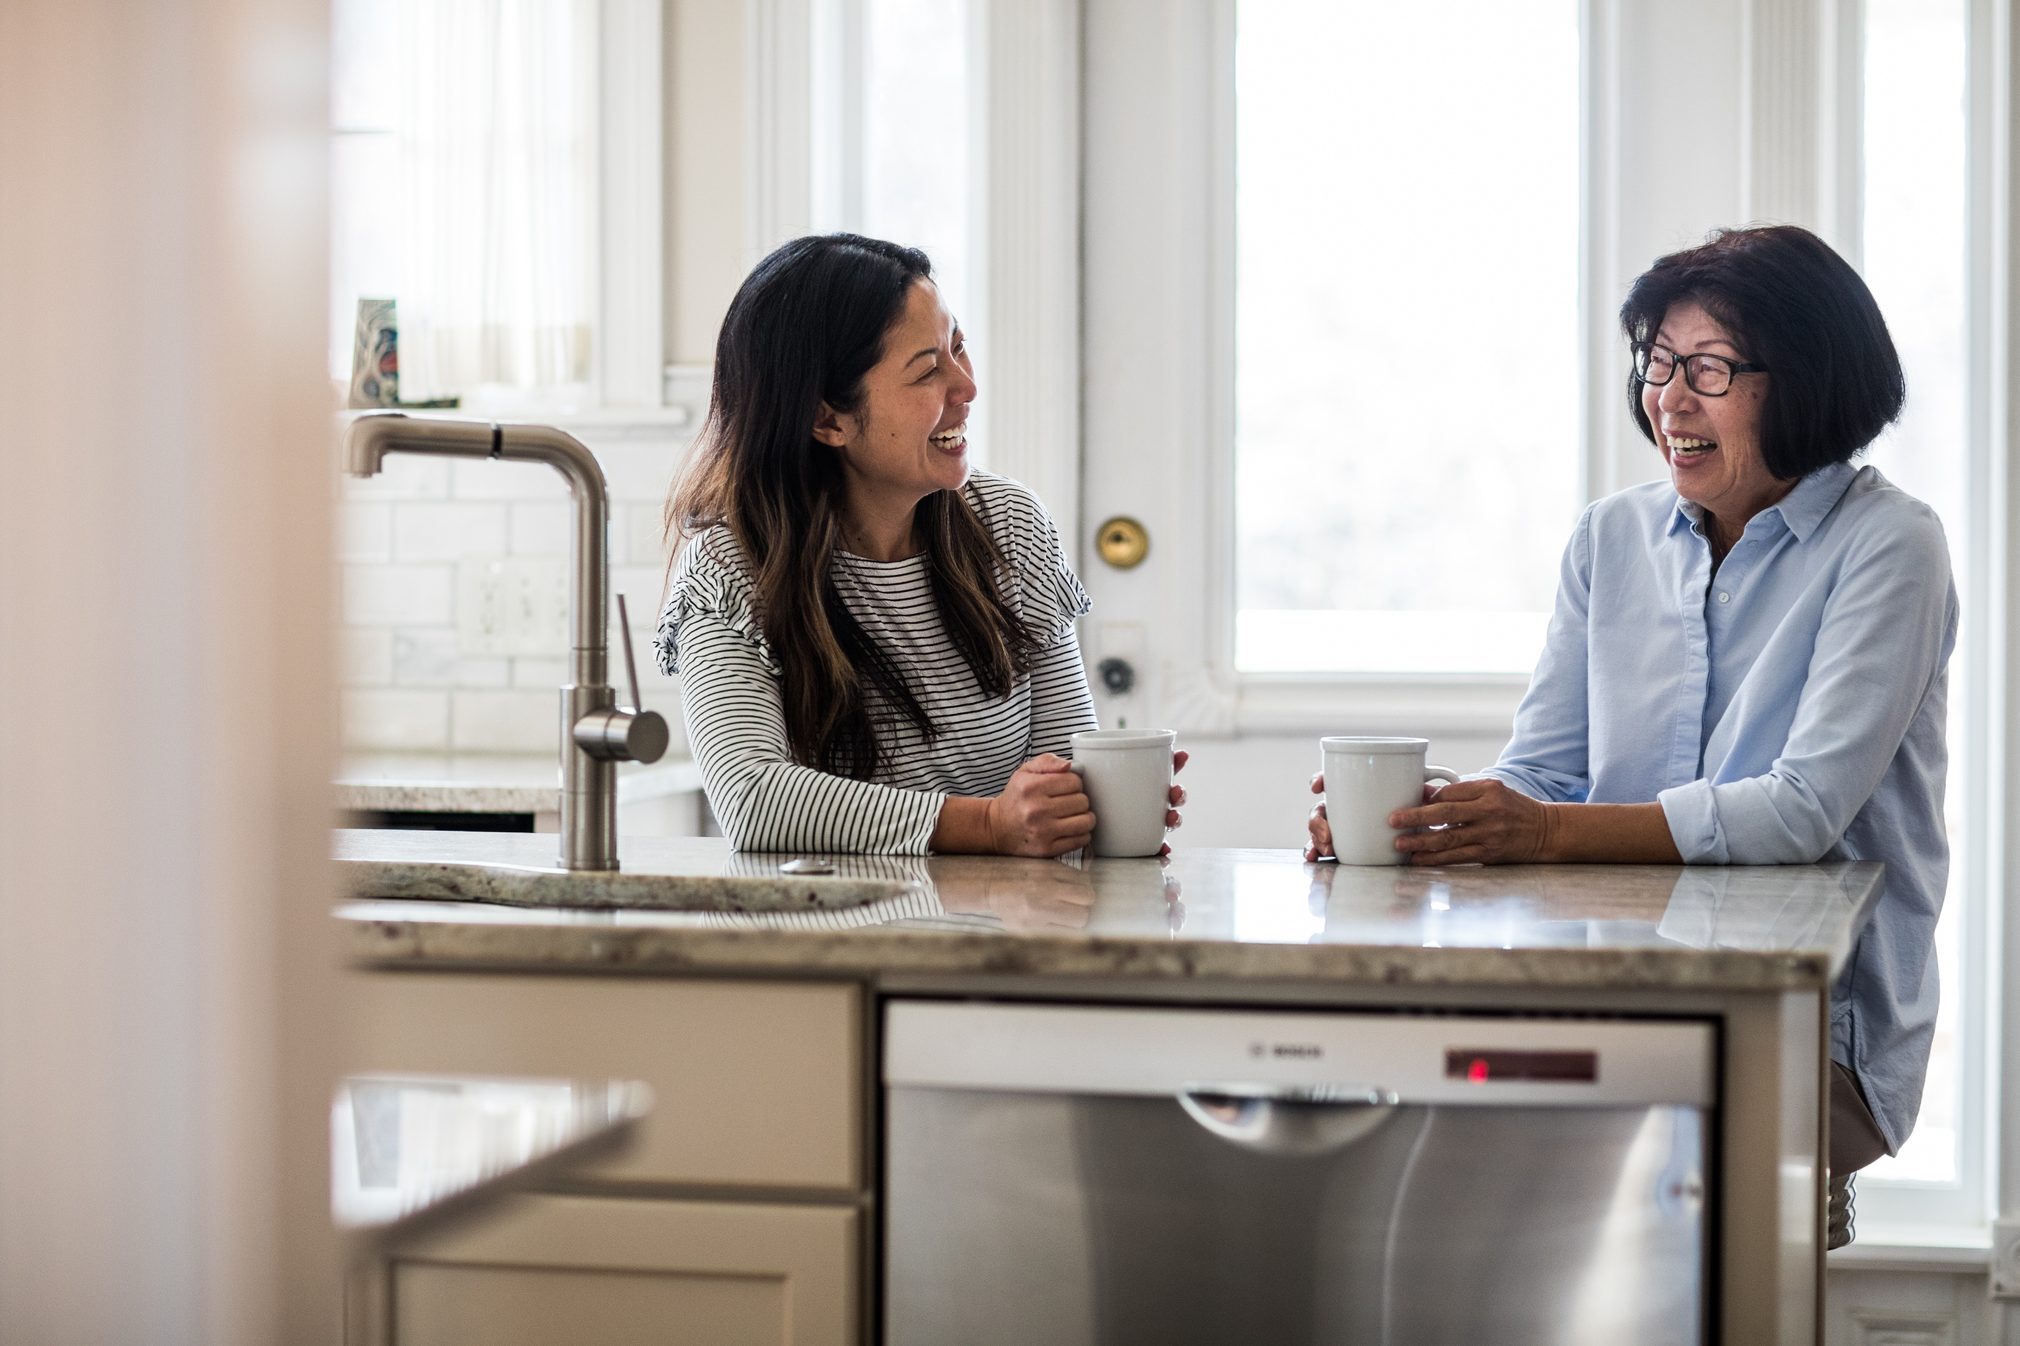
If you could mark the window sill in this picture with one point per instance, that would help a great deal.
(1424, 704)
(614, 422)
(1959, 1249)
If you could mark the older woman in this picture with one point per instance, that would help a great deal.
(1747, 663)
(875, 641)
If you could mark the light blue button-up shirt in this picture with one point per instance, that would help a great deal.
(1786, 709)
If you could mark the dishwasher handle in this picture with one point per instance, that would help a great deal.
(1289, 1119)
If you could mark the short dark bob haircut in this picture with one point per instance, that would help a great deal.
(1792, 304)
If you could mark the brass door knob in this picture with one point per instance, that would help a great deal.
(1122, 542)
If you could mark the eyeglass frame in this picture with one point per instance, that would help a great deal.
(1733, 368)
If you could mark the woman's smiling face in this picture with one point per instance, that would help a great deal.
(908, 435)
(1712, 444)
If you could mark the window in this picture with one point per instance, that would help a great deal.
(478, 153)
(915, 181)
(1915, 209)
(1406, 330)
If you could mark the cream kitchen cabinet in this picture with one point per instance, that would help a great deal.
(600, 1271)
(735, 1216)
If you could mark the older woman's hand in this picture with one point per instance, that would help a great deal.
(1481, 822)
(1321, 845)
(1175, 799)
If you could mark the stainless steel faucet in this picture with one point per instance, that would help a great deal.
(595, 733)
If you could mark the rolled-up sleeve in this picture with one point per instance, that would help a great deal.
(1880, 647)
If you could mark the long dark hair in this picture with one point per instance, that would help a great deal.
(805, 328)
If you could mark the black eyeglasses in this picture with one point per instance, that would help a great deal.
(1706, 375)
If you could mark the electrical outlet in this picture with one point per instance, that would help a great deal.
(513, 607)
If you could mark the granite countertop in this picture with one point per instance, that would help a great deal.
(474, 782)
(413, 1150)
(1250, 914)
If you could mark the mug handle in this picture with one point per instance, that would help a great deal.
(1445, 774)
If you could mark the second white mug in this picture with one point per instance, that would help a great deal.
(1366, 780)
(1127, 773)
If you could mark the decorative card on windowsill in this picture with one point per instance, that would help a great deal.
(375, 360)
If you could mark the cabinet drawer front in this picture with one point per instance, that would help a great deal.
(594, 1271)
(754, 1083)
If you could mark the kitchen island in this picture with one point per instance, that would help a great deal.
(759, 1031)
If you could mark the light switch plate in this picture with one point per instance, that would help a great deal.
(512, 606)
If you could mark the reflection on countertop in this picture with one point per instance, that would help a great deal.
(414, 1149)
(1204, 913)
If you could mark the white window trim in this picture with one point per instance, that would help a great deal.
(803, 57)
(631, 293)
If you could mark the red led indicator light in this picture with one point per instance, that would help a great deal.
(1476, 1073)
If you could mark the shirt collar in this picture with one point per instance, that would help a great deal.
(1802, 509)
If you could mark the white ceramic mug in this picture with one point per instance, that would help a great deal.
(1127, 774)
(1366, 780)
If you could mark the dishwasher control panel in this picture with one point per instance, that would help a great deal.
(1416, 1058)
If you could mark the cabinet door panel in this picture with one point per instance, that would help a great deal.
(754, 1083)
(593, 1271)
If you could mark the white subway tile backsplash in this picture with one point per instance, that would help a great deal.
(393, 720)
(513, 607)
(541, 529)
(638, 469)
(455, 593)
(512, 721)
(403, 476)
(398, 595)
(433, 658)
(540, 673)
(642, 587)
(481, 479)
(644, 542)
(364, 531)
(365, 656)
(447, 532)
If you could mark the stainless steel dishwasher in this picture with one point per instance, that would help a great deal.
(1080, 1174)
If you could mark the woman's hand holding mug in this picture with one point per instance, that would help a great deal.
(1043, 811)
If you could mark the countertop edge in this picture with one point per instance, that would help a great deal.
(390, 945)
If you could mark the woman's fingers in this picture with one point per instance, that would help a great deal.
(1319, 783)
(1077, 823)
(1321, 832)
(1441, 814)
(1178, 761)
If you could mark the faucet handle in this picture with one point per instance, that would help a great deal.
(630, 664)
(630, 734)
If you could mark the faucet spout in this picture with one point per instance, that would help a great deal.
(595, 734)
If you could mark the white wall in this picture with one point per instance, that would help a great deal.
(167, 993)
(1255, 790)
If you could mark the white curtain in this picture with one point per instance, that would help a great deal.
(499, 189)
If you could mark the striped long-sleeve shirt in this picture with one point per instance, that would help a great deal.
(711, 637)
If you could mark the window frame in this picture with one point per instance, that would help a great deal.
(627, 355)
